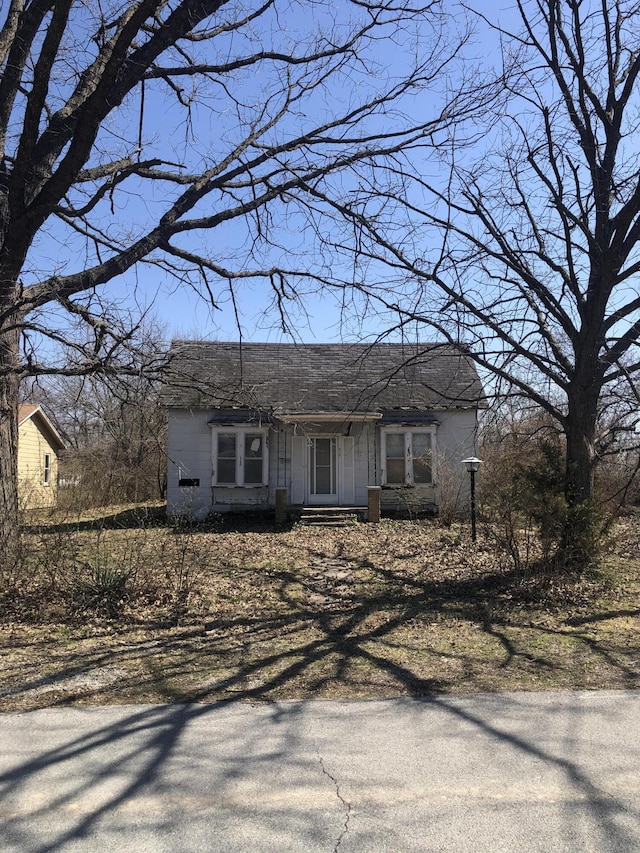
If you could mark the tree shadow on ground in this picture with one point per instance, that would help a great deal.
(133, 518)
(326, 633)
(141, 517)
(95, 773)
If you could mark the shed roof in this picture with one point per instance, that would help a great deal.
(25, 411)
(298, 378)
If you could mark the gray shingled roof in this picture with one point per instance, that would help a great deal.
(299, 378)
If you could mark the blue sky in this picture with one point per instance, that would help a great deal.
(177, 307)
(317, 317)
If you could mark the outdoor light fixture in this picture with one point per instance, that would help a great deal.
(473, 464)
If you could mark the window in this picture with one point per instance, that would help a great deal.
(47, 469)
(421, 457)
(395, 459)
(227, 458)
(239, 457)
(253, 458)
(408, 456)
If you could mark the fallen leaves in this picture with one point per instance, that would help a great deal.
(400, 608)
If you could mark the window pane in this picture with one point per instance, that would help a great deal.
(252, 459)
(227, 471)
(227, 445)
(323, 481)
(421, 447)
(395, 445)
(323, 451)
(395, 461)
(253, 471)
(421, 471)
(395, 472)
(421, 442)
(226, 458)
(252, 446)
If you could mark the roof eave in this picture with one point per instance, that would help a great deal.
(326, 417)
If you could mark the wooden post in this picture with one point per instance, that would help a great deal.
(374, 494)
(281, 506)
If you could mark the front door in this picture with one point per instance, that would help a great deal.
(323, 487)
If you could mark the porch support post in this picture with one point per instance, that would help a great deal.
(373, 503)
(281, 506)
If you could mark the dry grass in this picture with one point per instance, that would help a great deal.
(400, 608)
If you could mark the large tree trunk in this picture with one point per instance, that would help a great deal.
(581, 534)
(580, 461)
(9, 389)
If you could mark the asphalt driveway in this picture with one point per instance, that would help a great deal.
(504, 772)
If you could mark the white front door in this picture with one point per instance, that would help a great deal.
(323, 470)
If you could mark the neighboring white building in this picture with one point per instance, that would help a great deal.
(322, 421)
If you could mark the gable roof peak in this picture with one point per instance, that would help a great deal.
(35, 412)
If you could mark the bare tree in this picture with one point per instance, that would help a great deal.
(529, 253)
(228, 119)
(114, 428)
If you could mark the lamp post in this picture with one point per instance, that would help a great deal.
(473, 464)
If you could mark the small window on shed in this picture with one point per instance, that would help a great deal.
(47, 469)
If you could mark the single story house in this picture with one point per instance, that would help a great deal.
(39, 445)
(318, 423)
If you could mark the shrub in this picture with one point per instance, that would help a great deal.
(102, 590)
(523, 482)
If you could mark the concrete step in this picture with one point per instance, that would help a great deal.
(326, 521)
(330, 516)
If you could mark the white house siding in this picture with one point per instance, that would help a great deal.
(189, 452)
(189, 456)
(457, 436)
(190, 447)
(286, 464)
(456, 440)
(364, 441)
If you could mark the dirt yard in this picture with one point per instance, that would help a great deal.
(123, 608)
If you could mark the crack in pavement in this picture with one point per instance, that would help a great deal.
(346, 804)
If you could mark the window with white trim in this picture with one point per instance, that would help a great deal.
(47, 469)
(239, 456)
(407, 456)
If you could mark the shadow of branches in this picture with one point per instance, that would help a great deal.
(345, 626)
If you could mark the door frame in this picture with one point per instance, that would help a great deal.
(344, 494)
(333, 497)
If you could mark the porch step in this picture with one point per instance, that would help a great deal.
(331, 516)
